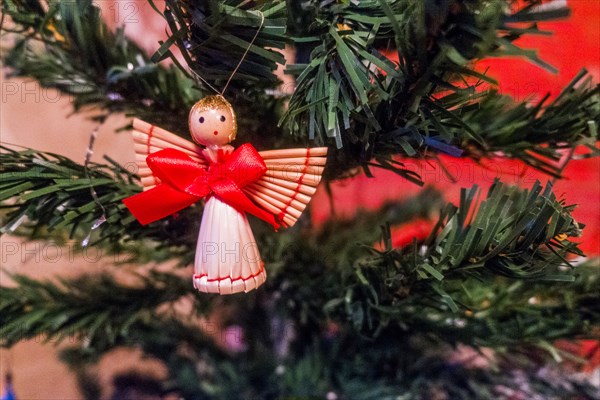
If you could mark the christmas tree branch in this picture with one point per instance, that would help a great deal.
(515, 234)
(52, 45)
(332, 364)
(330, 370)
(51, 191)
(95, 308)
(66, 45)
(46, 194)
(213, 38)
(349, 90)
(42, 191)
(101, 313)
(536, 134)
(476, 252)
(377, 109)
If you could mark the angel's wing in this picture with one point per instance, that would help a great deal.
(149, 139)
(285, 190)
(291, 180)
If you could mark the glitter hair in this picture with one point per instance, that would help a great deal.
(214, 102)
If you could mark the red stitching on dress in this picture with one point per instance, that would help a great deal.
(262, 270)
(156, 182)
(297, 190)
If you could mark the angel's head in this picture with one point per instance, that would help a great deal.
(212, 121)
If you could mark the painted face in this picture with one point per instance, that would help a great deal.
(212, 121)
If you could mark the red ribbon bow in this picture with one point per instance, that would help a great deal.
(184, 182)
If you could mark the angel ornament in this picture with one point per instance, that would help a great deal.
(273, 185)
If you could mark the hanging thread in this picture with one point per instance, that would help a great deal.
(88, 156)
(222, 92)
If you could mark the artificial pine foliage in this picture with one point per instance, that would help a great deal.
(344, 314)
